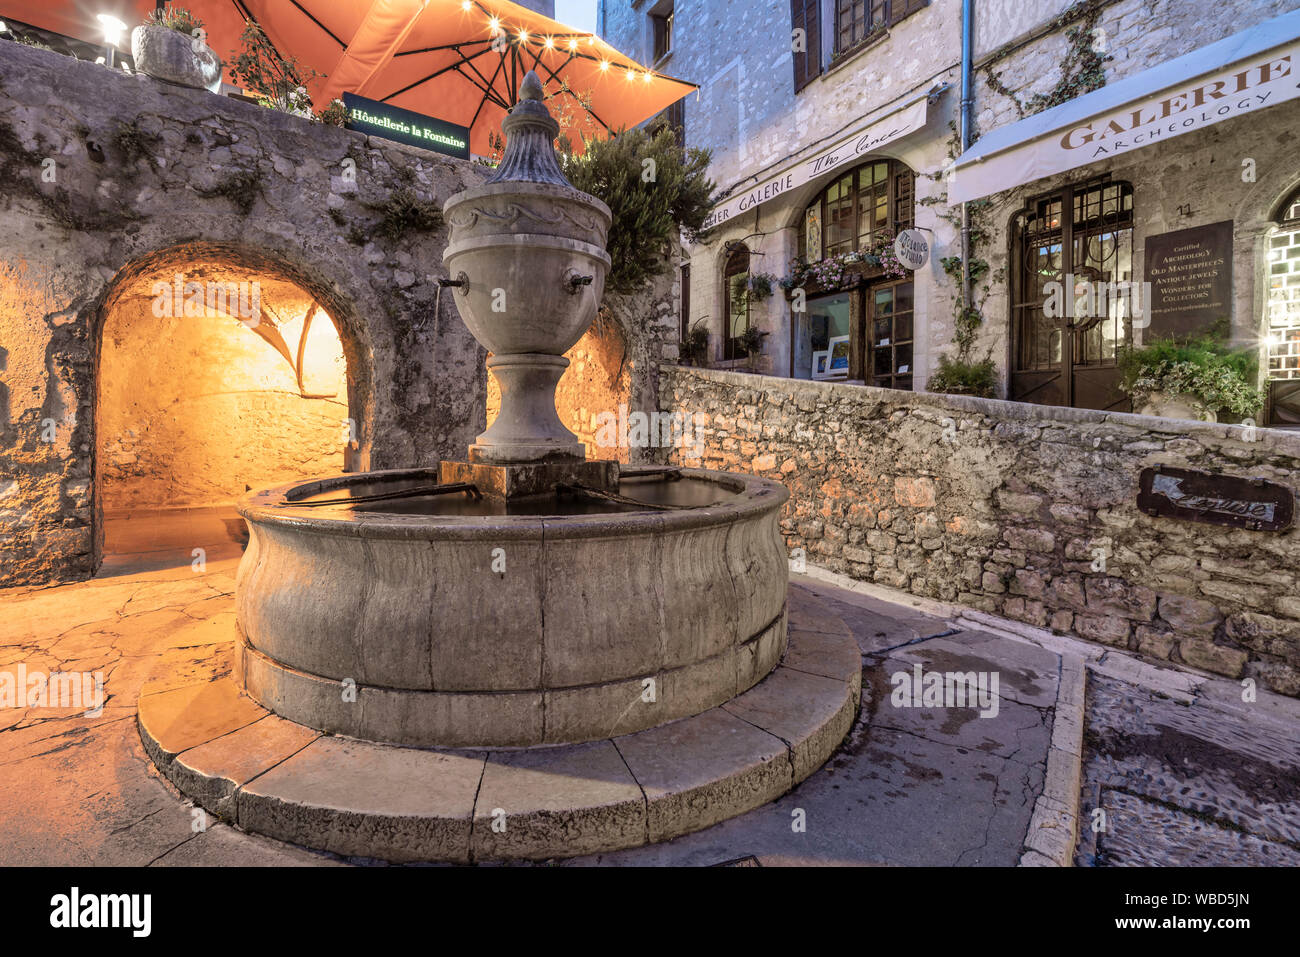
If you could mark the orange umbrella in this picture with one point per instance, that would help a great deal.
(457, 60)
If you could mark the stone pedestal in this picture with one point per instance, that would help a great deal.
(527, 429)
(508, 482)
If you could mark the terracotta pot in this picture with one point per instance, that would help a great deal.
(175, 57)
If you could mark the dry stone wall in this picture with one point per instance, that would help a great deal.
(1024, 511)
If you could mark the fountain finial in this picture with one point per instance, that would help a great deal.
(530, 133)
(531, 88)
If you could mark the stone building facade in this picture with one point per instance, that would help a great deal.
(765, 108)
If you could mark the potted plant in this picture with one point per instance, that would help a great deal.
(170, 46)
(695, 347)
(965, 377)
(751, 287)
(751, 340)
(1193, 378)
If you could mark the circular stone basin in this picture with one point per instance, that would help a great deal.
(442, 621)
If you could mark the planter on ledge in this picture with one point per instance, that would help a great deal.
(1175, 407)
(176, 57)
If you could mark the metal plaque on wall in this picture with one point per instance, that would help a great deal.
(1190, 271)
(1252, 503)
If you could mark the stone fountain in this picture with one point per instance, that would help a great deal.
(525, 611)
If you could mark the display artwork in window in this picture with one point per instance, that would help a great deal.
(813, 222)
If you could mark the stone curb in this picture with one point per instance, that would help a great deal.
(269, 775)
(1054, 828)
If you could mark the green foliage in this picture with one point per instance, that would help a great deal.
(1204, 367)
(650, 201)
(275, 81)
(241, 187)
(336, 114)
(751, 287)
(404, 212)
(695, 347)
(133, 142)
(174, 18)
(965, 377)
(751, 340)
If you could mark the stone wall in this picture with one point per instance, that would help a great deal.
(111, 180)
(1023, 511)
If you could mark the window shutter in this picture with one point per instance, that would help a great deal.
(806, 15)
(905, 8)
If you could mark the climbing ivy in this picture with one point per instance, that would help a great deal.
(1083, 66)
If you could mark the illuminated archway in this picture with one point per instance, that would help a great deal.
(217, 371)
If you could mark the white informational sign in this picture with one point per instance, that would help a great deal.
(1107, 122)
(865, 141)
(912, 249)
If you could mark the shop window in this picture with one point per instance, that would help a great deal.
(859, 210)
(822, 337)
(1284, 317)
(1085, 232)
(737, 269)
(806, 36)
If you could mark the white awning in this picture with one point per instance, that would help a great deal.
(870, 138)
(1240, 74)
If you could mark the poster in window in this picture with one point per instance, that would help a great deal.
(813, 221)
(839, 365)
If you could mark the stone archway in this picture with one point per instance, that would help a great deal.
(218, 369)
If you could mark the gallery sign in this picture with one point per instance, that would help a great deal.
(865, 141)
(1255, 504)
(1190, 276)
(1096, 126)
(912, 249)
(405, 126)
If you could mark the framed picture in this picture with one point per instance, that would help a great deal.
(839, 363)
(820, 363)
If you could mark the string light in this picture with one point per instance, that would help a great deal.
(550, 43)
(494, 24)
(573, 43)
(604, 65)
(646, 77)
(465, 4)
(523, 36)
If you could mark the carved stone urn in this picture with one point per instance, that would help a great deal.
(527, 258)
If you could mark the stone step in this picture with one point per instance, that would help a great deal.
(363, 799)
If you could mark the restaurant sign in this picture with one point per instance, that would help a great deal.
(405, 126)
(860, 144)
(1252, 503)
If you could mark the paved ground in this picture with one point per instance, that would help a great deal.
(1185, 771)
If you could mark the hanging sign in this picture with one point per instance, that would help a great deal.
(865, 141)
(912, 249)
(405, 126)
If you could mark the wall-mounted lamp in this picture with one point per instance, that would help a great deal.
(114, 29)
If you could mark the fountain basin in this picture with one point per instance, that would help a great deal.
(445, 623)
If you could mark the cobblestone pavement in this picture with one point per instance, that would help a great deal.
(1189, 775)
(931, 785)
